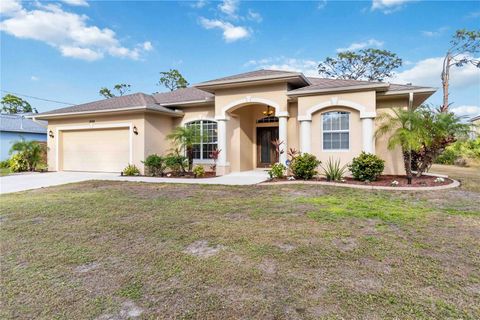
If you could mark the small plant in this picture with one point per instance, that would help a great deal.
(394, 183)
(176, 162)
(304, 166)
(198, 171)
(276, 146)
(277, 171)
(366, 167)
(214, 156)
(32, 153)
(439, 180)
(18, 162)
(5, 164)
(155, 165)
(131, 170)
(333, 170)
(41, 167)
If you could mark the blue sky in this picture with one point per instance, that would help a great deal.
(67, 50)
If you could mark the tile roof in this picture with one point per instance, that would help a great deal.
(252, 74)
(18, 123)
(182, 95)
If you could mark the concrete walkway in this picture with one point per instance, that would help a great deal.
(28, 181)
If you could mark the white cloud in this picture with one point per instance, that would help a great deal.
(229, 7)
(427, 72)
(231, 33)
(34, 78)
(68, 32)
(362, 45)
(147, 46)
(435, 33)
(198, 4)
(321, 4)
(254, 16)
(306, 66)
(80, 3)
(10, 7)
(388, 6)
(468, 111)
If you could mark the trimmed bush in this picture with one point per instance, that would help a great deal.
(19, 162)
(131, 170)
(155, 165)
(304, 166)
(277, 171)
(198, 171)
(366, 167)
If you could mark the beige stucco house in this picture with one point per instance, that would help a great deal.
(240, 114)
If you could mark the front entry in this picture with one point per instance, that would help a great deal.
(266, 155)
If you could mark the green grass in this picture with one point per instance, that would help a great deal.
(103, 249)
(469, 177)
(5, 172)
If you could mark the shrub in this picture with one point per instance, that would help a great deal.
(19, 162)
(155, 165)
(366, 166)
(131, 170)
(461, 149)
(333, 171)
(304, 166)
(176, 162)
(5, 163)
(42, 167)
(277, 171)
(198, 171)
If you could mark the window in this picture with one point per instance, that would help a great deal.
(208, 130)
(336, 134)
(270, 119)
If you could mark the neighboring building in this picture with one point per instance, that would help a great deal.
(14, 127)
(242, 114)
(475, 121)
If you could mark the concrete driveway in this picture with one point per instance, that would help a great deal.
(28, 181)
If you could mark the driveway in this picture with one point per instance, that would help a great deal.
(27, 181)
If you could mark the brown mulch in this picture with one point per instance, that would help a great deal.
(386, 181)
(189, 175)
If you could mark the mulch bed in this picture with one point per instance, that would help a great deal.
(386, 181)
(186, 175)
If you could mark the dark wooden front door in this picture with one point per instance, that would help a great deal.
(266, 155)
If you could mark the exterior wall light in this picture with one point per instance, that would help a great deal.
(50, 134)
(135, 130)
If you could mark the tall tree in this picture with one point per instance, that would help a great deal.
(13, 104)
(367, 64)
(121, 89)
(186, 138)
(172, 80)
(463, 47)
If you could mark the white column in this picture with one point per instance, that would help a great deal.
(305, 136)
(222, 141)
(367, 135)
(283, 136)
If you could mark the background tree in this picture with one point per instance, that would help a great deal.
(368, 64)
(121, 89)
(463, 46)
(13, 104)
(172, 80)
(186, 138)
(31, 152)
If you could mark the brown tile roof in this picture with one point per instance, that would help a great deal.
(252, 74)
(116, 103)
(182, 95)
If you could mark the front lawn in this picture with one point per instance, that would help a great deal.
(113, 250)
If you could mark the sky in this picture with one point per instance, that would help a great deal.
(67, 50)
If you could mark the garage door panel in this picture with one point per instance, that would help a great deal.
(104, 150)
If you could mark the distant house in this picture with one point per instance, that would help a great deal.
(475, 126)
(14, 127)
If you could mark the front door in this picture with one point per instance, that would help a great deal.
(266, 155)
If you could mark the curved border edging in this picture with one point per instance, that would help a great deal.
(454, 184)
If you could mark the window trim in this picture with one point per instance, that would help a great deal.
(337, 131)
(201, 121)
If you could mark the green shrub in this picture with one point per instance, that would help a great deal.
(176, 162)
(42, 167)
(5, 164)
(198, 171)
(333, 171)
(466, 149)
(32, 152)
(366, 167)
(131, 170)
(19, 162)
(304, 166)
(155, 165)
(277, 171)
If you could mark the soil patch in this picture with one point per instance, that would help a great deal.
(201, 248)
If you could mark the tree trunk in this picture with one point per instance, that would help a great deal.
(407, 160)
(190, 158)
(445, 82)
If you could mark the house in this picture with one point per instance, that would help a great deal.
(475, 121)
(14, 127)
(240, 114)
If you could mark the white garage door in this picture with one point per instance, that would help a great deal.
(105, 150)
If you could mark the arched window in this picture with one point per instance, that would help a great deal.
(336, 130)
(208, 131)
(270, 119)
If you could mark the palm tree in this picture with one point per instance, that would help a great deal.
(407, 132)
(186, 138)
(31, 150)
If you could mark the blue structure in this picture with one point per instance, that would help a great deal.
(14, 127)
